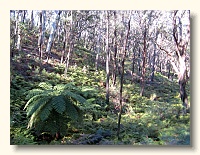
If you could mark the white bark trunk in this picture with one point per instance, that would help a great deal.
(53, 28)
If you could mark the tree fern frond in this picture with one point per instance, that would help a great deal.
(33, 120)
(60, 87)
(74, 96)
(34, 98)
(71, 110)
(46, 111)
(45, 86)
(69, 86)
(58, 104)
(40, 102)
(33, 92)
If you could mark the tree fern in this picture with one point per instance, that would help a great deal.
(74, 96)
(51, 105)
(58, 104)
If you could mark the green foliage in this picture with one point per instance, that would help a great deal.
(49, 105)
(21, 136)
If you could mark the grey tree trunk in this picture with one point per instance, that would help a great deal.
(70, 44)
(122, 76)
(52, 33)
(42, 18)
(107, 58)
(115, 51)
(143, 64)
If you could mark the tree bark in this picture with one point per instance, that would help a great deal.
(143, 64)
(115, 51)
(70, 44)
(53, 29)
(122, 77)
(107, 58)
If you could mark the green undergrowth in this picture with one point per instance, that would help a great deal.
(153, 119)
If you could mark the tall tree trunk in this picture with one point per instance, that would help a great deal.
(97, 55)
(32, 21)
(53, 29)
(70, 44)
(122, 77)
(18, 37)
(42, 18)
(182, 82)
(107, 58)
(143, 64)
(115, 51)
(65, 39)
(153, 63)
(16, 31)
(154, 58)
(40, 36)
(67, 59)
(139, 67)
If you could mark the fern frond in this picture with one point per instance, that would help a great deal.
(46, 111)
(71, 109)
(58, 104)
(59, 87)
(34, 98)
(34, 92)
(33, 120)
(74, 96)
(45, 86)
(40, 102)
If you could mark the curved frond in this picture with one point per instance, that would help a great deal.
(74, 96)
(33, 120)
(34, 92)
(58, 104)
(60, 87)
(37, 104)
(46, 111)
(71, 109)
(45, 86)
(33, 99)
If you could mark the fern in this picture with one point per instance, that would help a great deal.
(45, 113)
(51, 105)
(58, 104)
(41, 101)
(74, 96)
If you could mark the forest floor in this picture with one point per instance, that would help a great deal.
(152, 119)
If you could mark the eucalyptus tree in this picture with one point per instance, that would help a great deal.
(174, 41)
(56, 18)
(42, 19)
(122, 66)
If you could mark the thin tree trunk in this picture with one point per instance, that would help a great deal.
(122, 77)
(97, 55)
(70, 45)
(32, 20)
(19, 38)
(51, 37)
(115, 50)
(153, 63)
(143, 65)
(40, 36)
(182, 82)
(107, 59)
(67, 59)
(139, 67)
